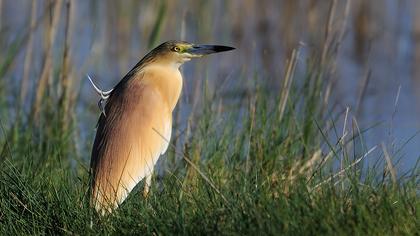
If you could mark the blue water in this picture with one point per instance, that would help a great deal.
(109, 37)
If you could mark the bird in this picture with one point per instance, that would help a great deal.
(135, 124)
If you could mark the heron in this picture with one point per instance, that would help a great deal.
(135, 125)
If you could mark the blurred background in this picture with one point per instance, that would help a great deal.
(48, 46)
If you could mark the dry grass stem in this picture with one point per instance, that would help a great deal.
(345, 169)
(288, 82)
(28, 56)
(48, 63)
(390, 167)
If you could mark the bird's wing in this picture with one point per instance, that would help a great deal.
(128, 142)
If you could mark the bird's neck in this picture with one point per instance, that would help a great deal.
(167, 79)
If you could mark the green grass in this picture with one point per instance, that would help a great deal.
(255, 177)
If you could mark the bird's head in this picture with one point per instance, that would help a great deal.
(178, 52)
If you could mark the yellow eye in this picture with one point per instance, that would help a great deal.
(176, 49)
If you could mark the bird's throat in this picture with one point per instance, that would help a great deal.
(167, 80)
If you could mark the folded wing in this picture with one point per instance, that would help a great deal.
(129, 140)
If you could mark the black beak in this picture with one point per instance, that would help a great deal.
(200, 50)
